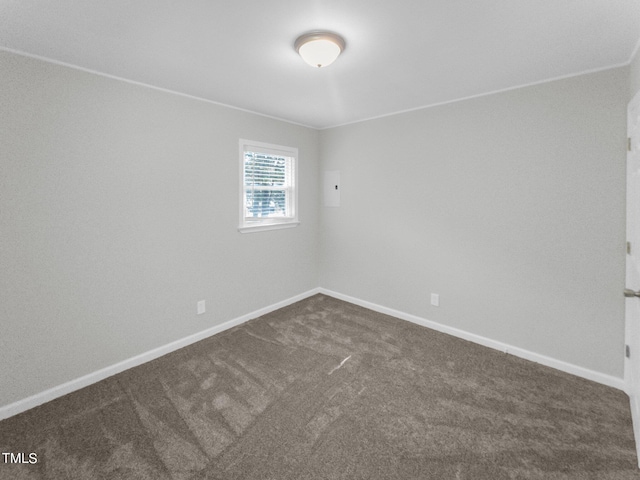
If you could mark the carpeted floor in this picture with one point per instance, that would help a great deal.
(323, 389)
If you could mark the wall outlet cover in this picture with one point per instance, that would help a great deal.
(435, 299)
(201, 307)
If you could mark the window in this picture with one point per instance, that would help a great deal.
(268, 190)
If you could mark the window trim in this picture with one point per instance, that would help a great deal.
(268, 223)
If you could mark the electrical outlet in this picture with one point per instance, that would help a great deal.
(201, 307)
(435, 299)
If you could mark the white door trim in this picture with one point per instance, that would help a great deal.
(632, 280)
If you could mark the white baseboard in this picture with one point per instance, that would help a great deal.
(592, 375)
(91, 378)
(20, 406)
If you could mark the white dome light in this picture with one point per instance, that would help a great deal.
(319, 49)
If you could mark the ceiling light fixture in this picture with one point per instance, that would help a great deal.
(319, 49)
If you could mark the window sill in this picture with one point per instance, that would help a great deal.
(263, 228)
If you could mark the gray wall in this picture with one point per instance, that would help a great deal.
(118, 212)
(510, 206)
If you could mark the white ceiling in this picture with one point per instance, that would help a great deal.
(400, 54)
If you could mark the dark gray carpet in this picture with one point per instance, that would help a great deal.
(327, 390)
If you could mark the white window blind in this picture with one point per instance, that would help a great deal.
(268, 186)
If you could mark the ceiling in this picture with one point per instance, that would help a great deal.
(400, 55)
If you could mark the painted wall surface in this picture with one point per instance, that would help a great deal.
(510, 206)
(118, 212)
(119, 205)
